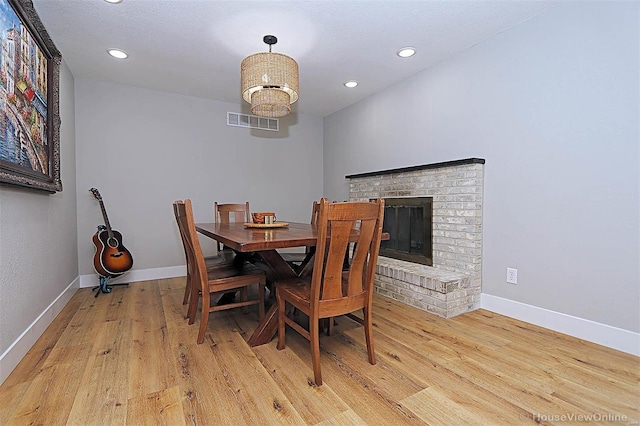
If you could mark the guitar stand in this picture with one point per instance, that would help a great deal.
(103, 287)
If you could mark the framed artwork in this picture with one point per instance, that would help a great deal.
(29, 100)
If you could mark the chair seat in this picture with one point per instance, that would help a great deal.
(225, 259)
(228, 271)
(298, 289)
(222, 259)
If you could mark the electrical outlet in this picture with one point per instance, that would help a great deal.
(512, 276)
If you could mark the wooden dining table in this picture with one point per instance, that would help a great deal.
(260, 245)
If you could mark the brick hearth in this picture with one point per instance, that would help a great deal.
(452, 285)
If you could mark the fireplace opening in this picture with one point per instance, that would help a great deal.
(409, 223)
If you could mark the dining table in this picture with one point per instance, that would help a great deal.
(260, 244)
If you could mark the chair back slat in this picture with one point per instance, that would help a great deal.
(231, 216)
(338, 244)
(359, 262)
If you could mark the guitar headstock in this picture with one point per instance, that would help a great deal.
(96, 193)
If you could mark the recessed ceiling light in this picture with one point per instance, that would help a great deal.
(113, 1)
(406, 52)
(117, 53)
(351, 83)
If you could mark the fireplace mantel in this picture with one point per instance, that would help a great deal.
(452, 285)
(453, 163)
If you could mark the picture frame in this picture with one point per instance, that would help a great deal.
(29, 100)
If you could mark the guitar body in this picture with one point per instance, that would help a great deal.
(111, 258)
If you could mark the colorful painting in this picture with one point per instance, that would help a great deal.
(29, 120)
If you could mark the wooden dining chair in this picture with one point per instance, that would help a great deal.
(332, 291)
(216, 281)
(229, 212)
(297, 258)
(223, 259)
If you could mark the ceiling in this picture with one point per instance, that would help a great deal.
(194, 47)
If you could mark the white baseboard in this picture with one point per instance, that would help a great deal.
(136, 275)
(18, 349)
(602, 334)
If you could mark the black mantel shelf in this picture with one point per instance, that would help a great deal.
(422, 167)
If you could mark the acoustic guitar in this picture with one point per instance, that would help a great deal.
(111, 258)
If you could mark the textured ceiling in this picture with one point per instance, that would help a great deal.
(194, 47)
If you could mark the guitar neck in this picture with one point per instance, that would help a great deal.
(106, 219)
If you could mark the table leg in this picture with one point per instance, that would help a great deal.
(278, 269)
(267, 328)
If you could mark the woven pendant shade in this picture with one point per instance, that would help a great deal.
(269, 83)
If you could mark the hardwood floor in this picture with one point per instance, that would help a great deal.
(129, 357)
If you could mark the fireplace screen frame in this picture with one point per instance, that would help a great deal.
(394, 204)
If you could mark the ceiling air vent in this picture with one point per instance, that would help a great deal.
(252, 121)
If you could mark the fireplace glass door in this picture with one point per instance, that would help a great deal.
(408, 222)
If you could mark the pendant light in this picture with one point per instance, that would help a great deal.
(269, 82)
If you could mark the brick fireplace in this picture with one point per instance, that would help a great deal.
(452, 285)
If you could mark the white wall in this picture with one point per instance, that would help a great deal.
(552, 105)
(145, 149)
(38, 247)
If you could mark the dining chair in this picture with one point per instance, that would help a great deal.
(218, 280)
(332, 291)
(222, 259)
(295, 259)
(230, 212)
(226, 213)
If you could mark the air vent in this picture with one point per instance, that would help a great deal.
(252, 121)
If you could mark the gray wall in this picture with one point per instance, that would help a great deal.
(38, 240)
(145, 149)
(552, 105)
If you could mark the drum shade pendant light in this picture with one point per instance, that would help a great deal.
(269, 82)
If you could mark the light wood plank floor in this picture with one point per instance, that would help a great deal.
(129, 357)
